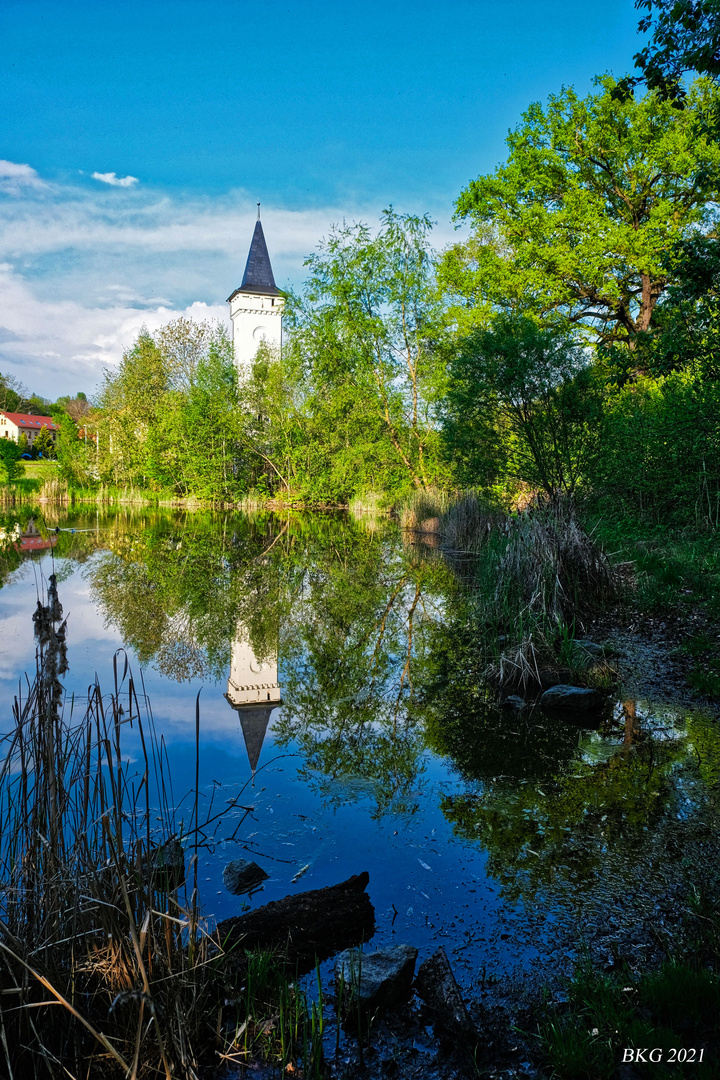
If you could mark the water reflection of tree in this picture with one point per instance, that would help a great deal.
(610, 797)
(378, 659)
(346, 610)
(177, 587)
(351, 654)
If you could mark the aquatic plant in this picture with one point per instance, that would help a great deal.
(551, 566)
(540, 576)
(467, 523)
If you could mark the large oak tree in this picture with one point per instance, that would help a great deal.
(576, 225)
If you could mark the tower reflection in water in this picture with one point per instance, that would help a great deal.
(253, 691)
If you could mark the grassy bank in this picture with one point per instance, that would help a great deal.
(44, 485)
(672, 1014)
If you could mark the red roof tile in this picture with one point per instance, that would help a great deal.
(26, 420)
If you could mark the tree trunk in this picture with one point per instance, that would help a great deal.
(304, 927)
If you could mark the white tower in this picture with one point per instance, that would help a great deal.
(256, 307)
(253, 691)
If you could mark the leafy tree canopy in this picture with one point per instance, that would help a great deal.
(522, 402)
(169, 414)
(13, 395)
(686, 335)
(43, 443)
(10, 465)
(369, 324)
(579, 220)
(685, 37)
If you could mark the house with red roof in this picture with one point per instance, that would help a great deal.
(12, 425)
(31, 539)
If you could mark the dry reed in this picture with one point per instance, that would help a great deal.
(104, 971)
(541, 577)
(551, 566)
(55, 490)
(467, 523)
(422, 506)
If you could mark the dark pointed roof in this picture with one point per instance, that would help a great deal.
(254, 720)
(258, 277)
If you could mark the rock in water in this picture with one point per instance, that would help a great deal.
(168, 864)
(438, 988)
(513, 703)
(571, 697)
(373, 982)
(242, 875)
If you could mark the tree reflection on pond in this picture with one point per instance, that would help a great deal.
(343, 609)
(609, 797)
(371, 643)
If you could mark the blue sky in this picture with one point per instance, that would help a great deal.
(137, 137)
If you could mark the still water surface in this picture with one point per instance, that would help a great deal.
(340, 700)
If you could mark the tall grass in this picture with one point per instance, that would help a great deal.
(55, 489)
(418, 510)
(551, 567)
(107, 968)
(467, 523)
(369, 504)
(539, 577)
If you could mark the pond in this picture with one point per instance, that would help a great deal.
(342, 702)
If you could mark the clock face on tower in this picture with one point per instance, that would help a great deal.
(260, 333)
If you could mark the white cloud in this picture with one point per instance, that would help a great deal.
(81, 271)
(62, 346)
(15, 179)
(114, 180)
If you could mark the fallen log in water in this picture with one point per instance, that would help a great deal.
(312, 924)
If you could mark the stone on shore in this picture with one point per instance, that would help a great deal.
(590, 647)
(438, 988)
(374, 982)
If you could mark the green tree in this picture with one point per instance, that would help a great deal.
(43, 443)
(211, 453)
(686, 334)
(77, 456)
(10, 466)
(13, 395)
(685, 36)
(169, 415)
(660, 449)
(367, 332)
(36, 405)
(579, 220)
(522, 402)
(130, 399)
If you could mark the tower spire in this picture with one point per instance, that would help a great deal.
(256, 307)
